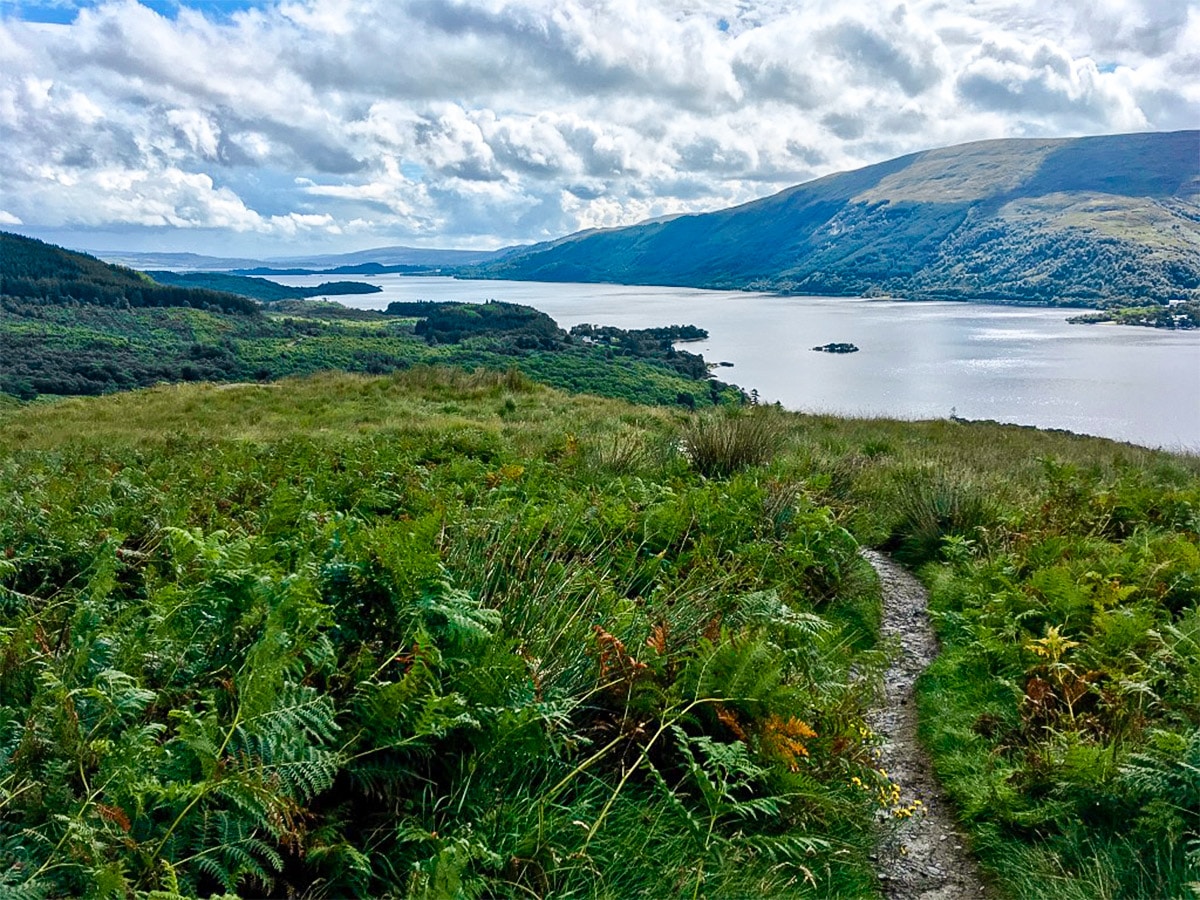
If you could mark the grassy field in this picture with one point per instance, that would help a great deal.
(458, 634)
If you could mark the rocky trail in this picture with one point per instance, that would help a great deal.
(925, 857)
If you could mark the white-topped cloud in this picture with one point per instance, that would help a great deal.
(347, 123)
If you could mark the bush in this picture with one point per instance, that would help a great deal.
(933, 509)
(720, 444)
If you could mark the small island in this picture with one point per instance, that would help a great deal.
(836, 348)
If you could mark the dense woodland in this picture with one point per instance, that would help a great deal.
(1177, 316)
(37, 273)
(261, 289)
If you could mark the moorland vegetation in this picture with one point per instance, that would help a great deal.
(442, 633)
(70, 324)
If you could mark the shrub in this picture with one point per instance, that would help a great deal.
(935, 508)
(719, 444)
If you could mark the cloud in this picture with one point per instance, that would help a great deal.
(894, 52)
(1040, 81)
(345, 123)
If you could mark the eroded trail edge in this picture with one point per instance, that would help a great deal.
(925, 857)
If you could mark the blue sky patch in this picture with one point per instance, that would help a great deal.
(63, 12)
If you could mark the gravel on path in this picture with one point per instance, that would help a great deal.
(925, 857)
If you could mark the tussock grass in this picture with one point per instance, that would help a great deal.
(933, 508)
(724, 442)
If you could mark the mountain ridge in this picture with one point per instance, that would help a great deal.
(396, 255)
(1078, 221)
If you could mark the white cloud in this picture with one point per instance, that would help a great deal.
(356, 122)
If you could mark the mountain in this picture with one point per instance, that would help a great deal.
(34, 272)
(380, 256)
(1084, 221)
(393, 256)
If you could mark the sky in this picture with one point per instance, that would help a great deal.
(255, 128)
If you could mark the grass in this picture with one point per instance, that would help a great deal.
(720, 444)
(434, 633)
(450, 632)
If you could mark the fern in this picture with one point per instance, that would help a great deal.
(454, 618)
(1172, 774)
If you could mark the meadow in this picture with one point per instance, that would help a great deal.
(449, 633)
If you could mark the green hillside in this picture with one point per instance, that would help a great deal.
(70, 324)
(34, 272)
(1086, 221)
(261, 289)
(440, 634)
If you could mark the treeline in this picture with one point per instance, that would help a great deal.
(650, 343)
(997, 263)
(1177, 316)
(667, 333)
(451, 323)
(513, 327)
(33, 271)
(262, 289)
(36, 366)
(87, 350)
(71, 324)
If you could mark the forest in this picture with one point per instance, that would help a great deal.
(1176, 316)
(262, 289)
(36, 273)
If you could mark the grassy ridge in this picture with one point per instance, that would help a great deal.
(444, 633)
(437, 634)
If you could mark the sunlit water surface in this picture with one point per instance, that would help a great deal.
(916, 360)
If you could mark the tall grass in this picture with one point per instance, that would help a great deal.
(936, 506)
(449, 633)
(436, 647)
(721, 443)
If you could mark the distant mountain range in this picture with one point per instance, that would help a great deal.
(1086, 221)
(397, 258)
(1094, 221)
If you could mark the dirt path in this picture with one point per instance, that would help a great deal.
(925, 857)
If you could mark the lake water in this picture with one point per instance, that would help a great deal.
(916, 360)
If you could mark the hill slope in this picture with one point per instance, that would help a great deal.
(1084, 221)
(447, 634)
(71, 324)
(261, 289)
(32, 271)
